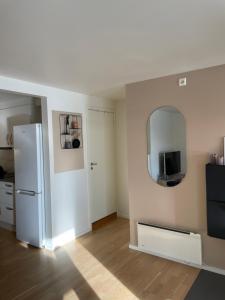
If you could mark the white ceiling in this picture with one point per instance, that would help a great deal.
(97, 46)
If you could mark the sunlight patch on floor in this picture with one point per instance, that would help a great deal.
(50, 254)
(70, 295)
(98, 277)
(24, 245)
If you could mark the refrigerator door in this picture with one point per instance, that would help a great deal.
(29, 223)
(28, 157)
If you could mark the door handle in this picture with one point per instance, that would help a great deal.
(93, 164)
(9, 208)
(8, 185)
(8, 193)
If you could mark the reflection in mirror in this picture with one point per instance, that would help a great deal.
(166, 146)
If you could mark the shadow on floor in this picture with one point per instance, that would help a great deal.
(30, 273)
(98, 265)
(145, 276)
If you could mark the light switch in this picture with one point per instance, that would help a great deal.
(183, 81)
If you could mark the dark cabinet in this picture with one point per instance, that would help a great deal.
(215, 191)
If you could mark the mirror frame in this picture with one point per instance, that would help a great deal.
(148, 134)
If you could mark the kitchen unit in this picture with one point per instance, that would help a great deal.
(16, 110)
(21, 180)
(7, 202)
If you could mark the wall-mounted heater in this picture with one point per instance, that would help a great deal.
(169, 243)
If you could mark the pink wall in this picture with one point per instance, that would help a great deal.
(202, 103)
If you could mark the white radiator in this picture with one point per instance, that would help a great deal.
(171, 244)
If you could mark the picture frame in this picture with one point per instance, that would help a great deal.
(71, 131)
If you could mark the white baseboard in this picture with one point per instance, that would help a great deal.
(133, 247)
(121, 215)
(83, 232)
(64, 238)
(202, 267)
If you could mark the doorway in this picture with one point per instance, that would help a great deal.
(21, 118)
(101, 164)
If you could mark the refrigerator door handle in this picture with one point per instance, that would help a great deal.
(28, 193)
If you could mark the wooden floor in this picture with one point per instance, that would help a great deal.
(97, 266)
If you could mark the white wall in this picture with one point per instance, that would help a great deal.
(121, 155)
(67, 206)
(101, 104)
(70, 207)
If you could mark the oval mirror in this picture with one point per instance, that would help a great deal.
(166, 146)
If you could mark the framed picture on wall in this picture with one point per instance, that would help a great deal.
(71, 135)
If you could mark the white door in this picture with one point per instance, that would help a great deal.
(101, 158)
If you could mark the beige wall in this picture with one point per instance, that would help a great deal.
(65, 159)
(202, 102)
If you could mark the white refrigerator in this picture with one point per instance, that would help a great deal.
(29, 185)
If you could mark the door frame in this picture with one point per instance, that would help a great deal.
(103, 110)
(47, 226)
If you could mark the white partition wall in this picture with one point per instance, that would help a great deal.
(66, 201)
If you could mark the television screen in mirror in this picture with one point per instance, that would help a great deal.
(166, 134)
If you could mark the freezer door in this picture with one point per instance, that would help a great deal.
(28, 157)
(29, 223)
